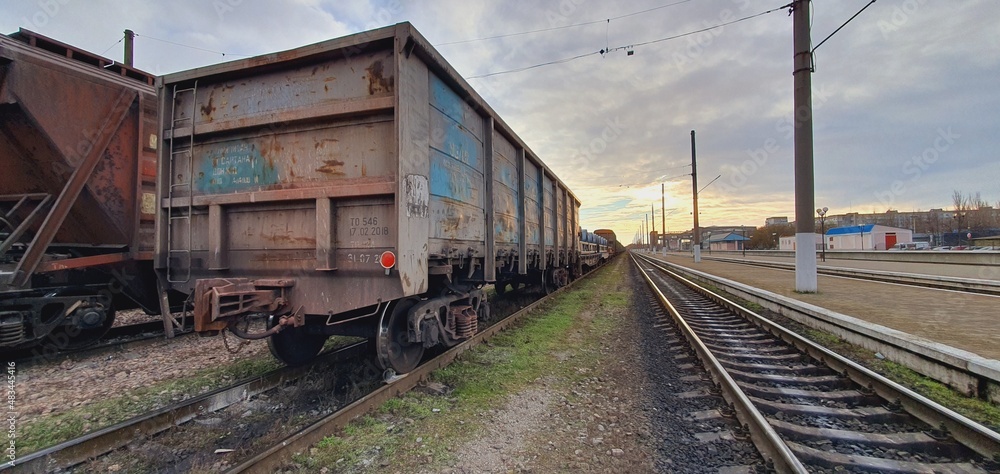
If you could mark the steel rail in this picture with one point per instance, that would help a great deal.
(117, 338)
(76, 451)
(273, 459)
(967, 432)
(957, 368)
(763, 434)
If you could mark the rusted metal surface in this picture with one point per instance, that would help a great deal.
(78, 130)
(81, 262)
(71, 190)
(57, 112)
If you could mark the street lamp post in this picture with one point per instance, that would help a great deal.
(959, 216)
(822, 228)
(743, 243)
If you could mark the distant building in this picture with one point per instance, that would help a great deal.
(993, 242)
(727, 241)
(866, 237)
(788, 243)
(775, 221)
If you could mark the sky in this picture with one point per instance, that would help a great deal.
(906, 96)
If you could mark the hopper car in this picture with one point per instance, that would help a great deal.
(78, 140)
(358, 186)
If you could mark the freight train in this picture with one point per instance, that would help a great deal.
(357, 186)
(78, 146)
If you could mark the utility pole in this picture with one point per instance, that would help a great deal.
(805, 225)
(647, 231)
(663, 216)
(656, 242)
(129, 41)
(696, 238)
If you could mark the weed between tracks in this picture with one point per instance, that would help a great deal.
(423, 429)
(46, 431)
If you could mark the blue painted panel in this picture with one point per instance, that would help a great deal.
(445, 100)
(531, 220)
(505, 228)
(454, 221)
(453, 179)
(453, 139)
(455, 128)
(505, 172)
(549, 203)
(505, 215)
(232, 166)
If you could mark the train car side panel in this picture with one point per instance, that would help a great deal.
(413, 196)
(285, 176)
(457, 182)
(506, 196)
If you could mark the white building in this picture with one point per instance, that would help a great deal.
(866, 237)
(788, 243)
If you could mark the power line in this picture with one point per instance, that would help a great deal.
(192, 47)
(112, 46)
(628, 47)
(559, 61)
(842, 26)
(608, 20)
(720, 25)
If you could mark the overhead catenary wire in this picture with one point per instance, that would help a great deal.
(709, 184)
(720, 25)
(113, 45)
(630, 46)
(507, 35)
(192, 47)
(842, 26)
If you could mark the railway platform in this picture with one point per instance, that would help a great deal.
(964, 321)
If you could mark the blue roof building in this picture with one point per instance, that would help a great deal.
(727, 241)
(866, 237)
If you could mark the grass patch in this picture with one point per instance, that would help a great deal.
(421, 429)
(43, 432)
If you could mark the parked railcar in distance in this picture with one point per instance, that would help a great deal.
(77, 192)
(594, 250)
(357, 186)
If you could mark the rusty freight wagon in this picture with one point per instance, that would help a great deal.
(77, 192)
(357, 186)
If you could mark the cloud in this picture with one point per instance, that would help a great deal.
(614, 127)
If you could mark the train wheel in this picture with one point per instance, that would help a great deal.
(74, 338)
(547, 285)
(293, 345)
(501, 287)
(394, 349)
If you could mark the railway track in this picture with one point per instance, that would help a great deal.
(116, 339)
(276, 457)
(98, 443)
(67, 455)
(808, 408)
(966, 285)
